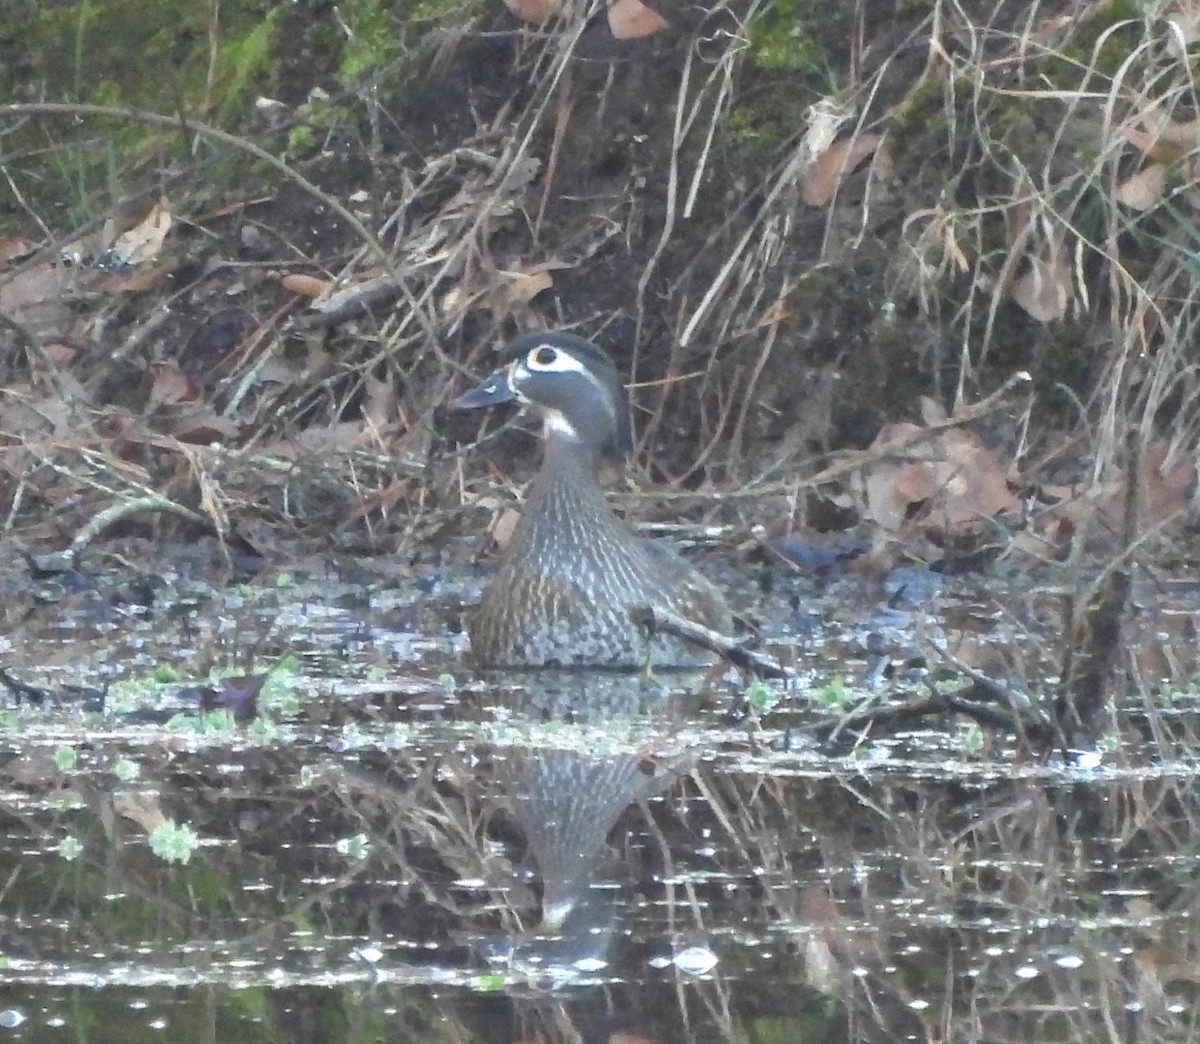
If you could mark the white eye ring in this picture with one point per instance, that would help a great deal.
(545, 358)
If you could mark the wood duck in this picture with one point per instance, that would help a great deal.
(573, 572)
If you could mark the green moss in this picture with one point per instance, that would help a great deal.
(761, 128)
(145, 51)
(926, 101)
(921, 122)
(787, 35)
(378, 32)
(1102, 44)
(155, 55)
(243, 61)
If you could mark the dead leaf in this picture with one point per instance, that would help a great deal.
(1044, 291)
(1145, 189)
(523, 287)
(11, 248)
(195, 423)
(379, 407)
(142, 242)
(136, 281)
(171, 386)
(841, 158)
(1162, 496)
(305, 285)
(885, 163)
(1183, 30)
(141, 806)
(1184, 136)
(38, 298)
(24, 415)
(333, 440)
(534, 11)
(502, 292)
(632, 19)
(1164, 502)
(946, 485)
(503, 527)
(932, 411)
(1160, 137)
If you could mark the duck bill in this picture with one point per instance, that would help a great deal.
(492, 392)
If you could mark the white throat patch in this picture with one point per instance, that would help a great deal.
(556, 422)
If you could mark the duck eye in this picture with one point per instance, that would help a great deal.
(543, 358)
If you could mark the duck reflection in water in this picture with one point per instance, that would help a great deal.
(566, 792)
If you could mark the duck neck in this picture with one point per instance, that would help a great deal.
(565, 501)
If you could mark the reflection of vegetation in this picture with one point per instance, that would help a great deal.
(356, 847)
(972, 739)
(835, 694)
(70, 848)
(173, 842)
(762, 696)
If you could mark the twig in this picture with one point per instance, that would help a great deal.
(733, 650)
(117, 513)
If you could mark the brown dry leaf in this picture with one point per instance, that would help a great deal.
(142, 242)
(502, 292)
(534, 11)
(136, 281)
(1145, 189)
(334, 440)
(503, 527)
(1044, 291)
(932, 411)
(1184, 136)
(141, 806)
(1164, 501)
(23, 415)
(1162, 138)
(841, 158)
(38, 298)
(1183, 29)
(521, 288)
(62, 354)
(947, 485)
(195, 423)
(379, 407)
(631, 20)
(885, 162)
(171, 386)
(1164, 495)
(305, 285)
(10, 248)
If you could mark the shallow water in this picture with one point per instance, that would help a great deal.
(411, 851)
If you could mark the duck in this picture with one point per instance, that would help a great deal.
(574, 576)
